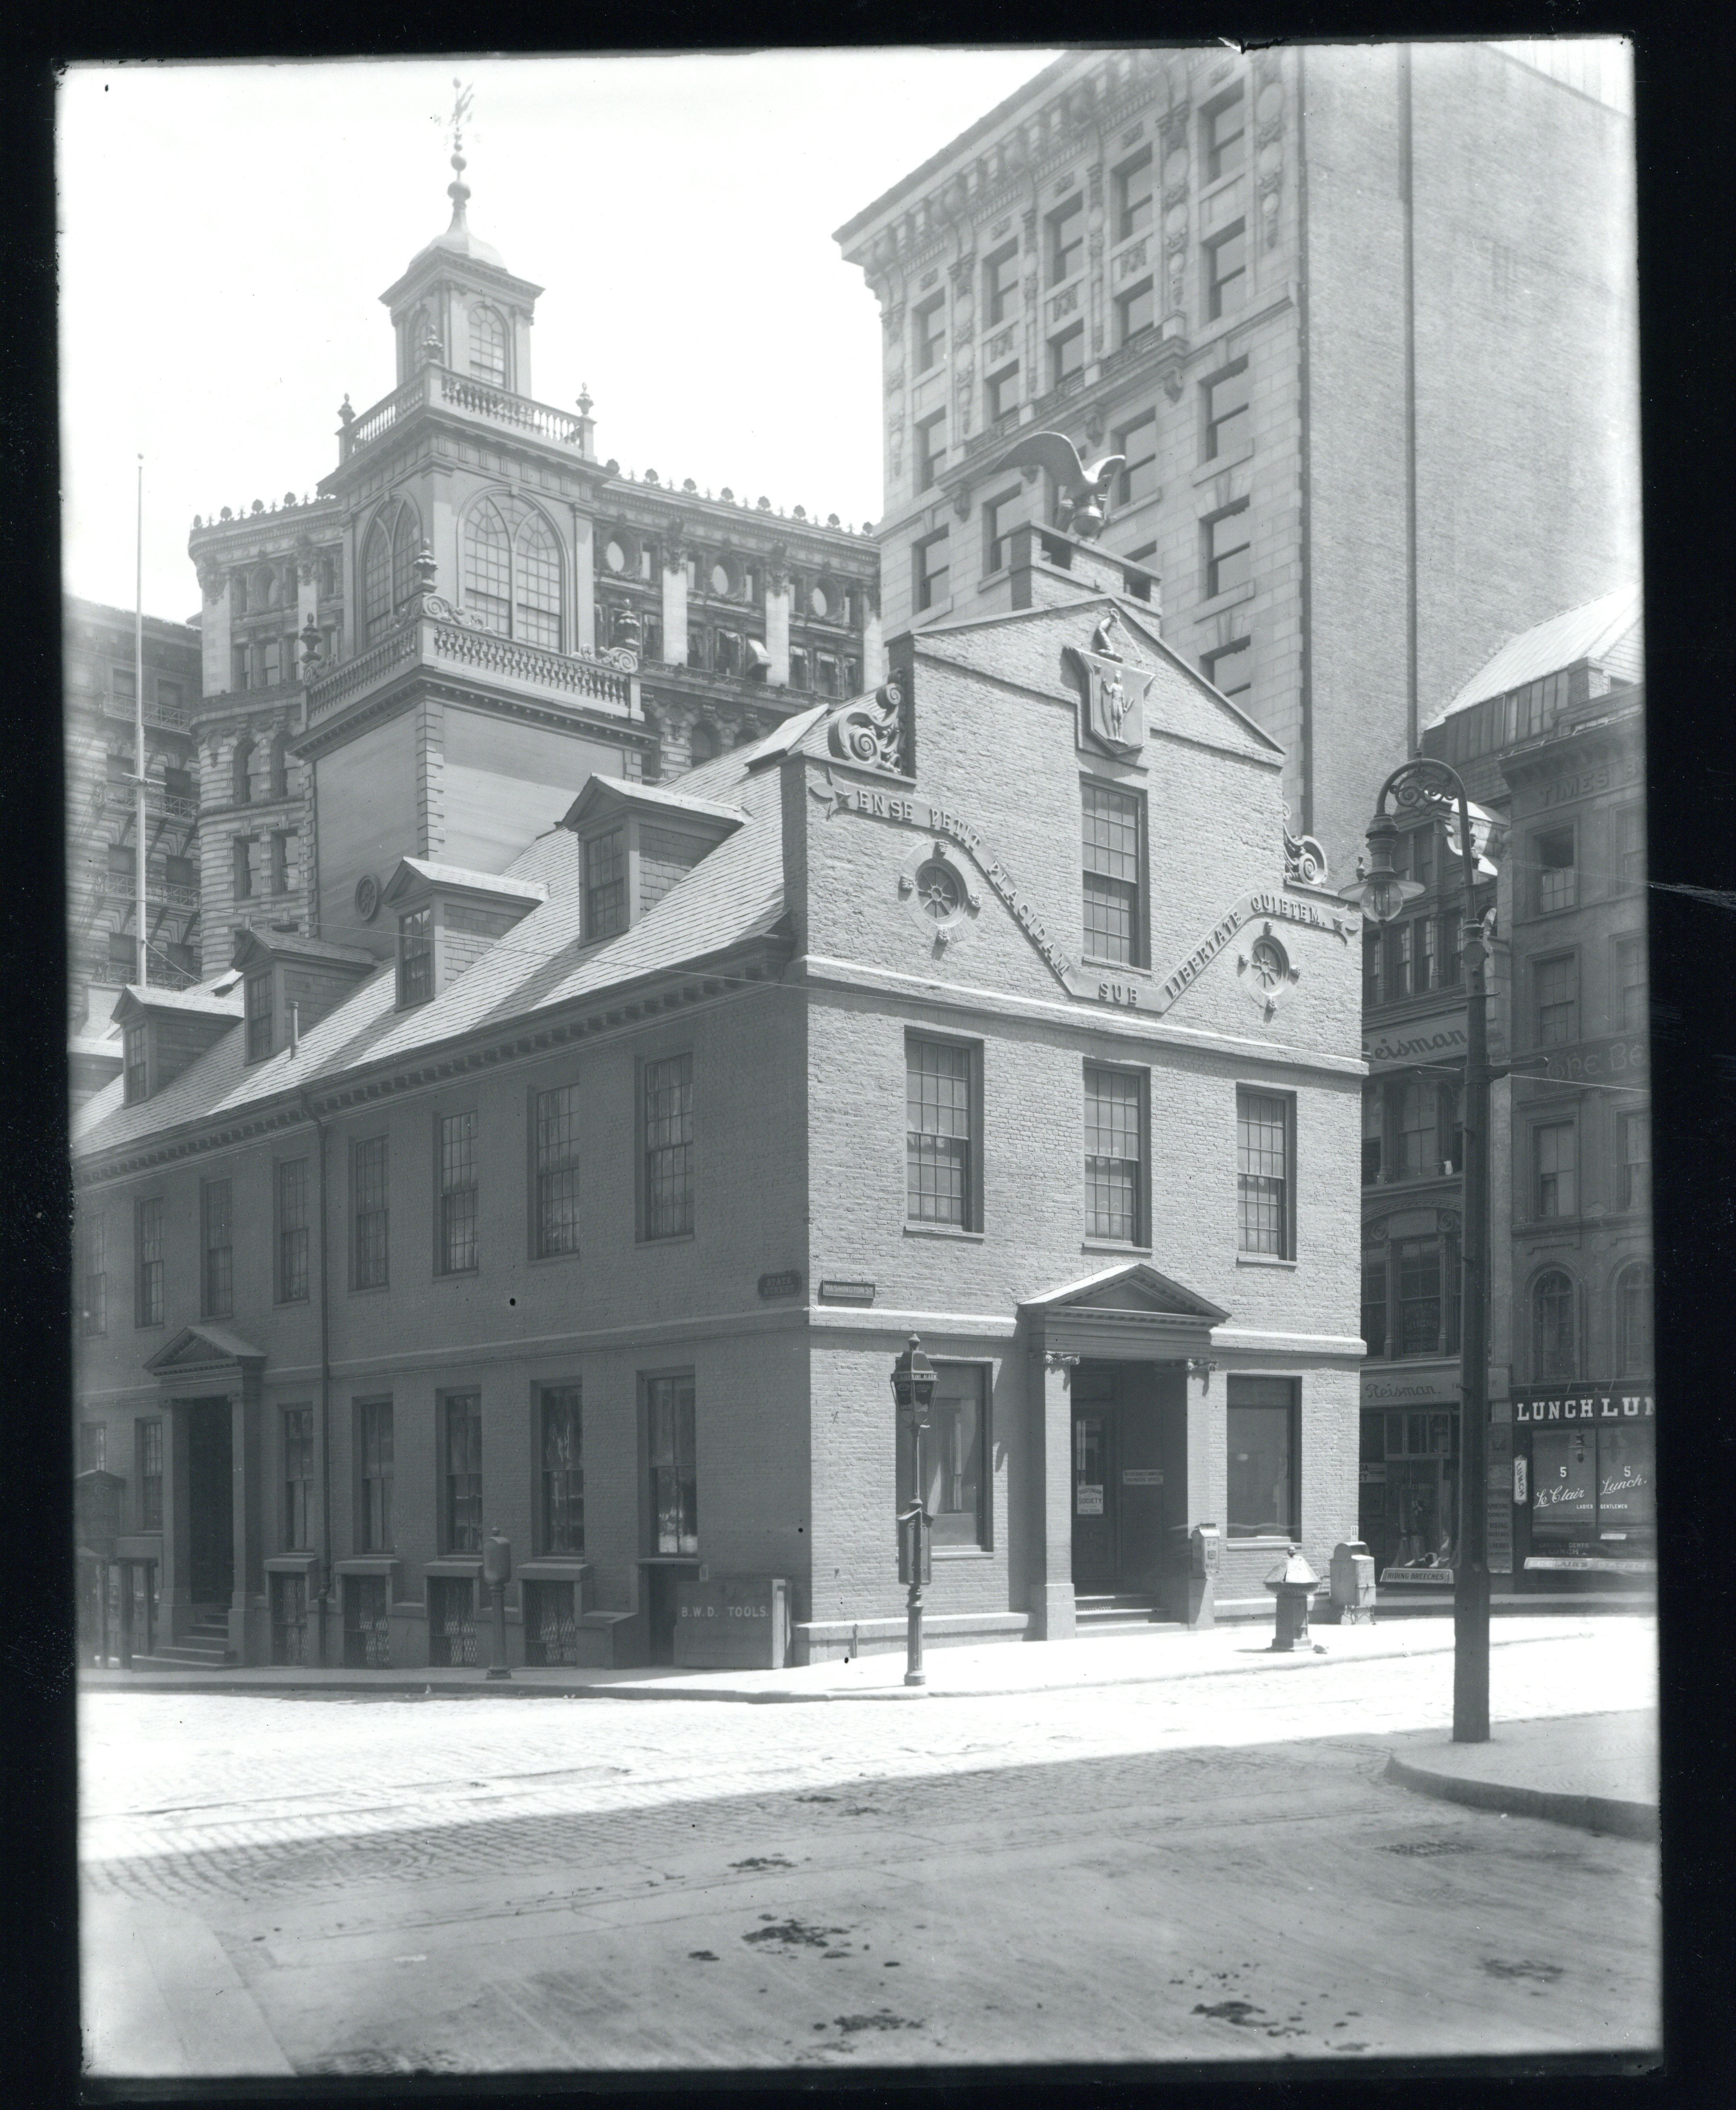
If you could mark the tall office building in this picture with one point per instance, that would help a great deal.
(1359, 318)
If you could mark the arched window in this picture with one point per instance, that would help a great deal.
(388, 565)
(706, 744)
(513, 571)
(488, 346)
(1633, 1321)
(243, 769)
(280, 767)
(1553, 1345)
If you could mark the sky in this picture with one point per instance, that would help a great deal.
(226, 231)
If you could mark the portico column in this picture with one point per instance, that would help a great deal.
(1052, 1613)
(176, 1589)
(244, 1515)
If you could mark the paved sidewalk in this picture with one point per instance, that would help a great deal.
(954, 1671)
(1598, 1771)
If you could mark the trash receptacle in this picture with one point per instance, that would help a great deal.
(1352, 1577)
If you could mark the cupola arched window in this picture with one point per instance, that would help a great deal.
(1554, 1345)
(1633, 1321)
(488, 346)
(243, 769)
(513, 571)
(388, 565)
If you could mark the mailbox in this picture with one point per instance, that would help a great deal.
(1202, 1549)
(1352, 1578)
(733, 1622)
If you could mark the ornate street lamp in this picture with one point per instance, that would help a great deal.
(1418, 787)
(913, 1392)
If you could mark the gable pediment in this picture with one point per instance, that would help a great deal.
(205, 1348)
(1136, 1290)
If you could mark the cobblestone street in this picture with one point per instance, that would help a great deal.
(1196, 1869)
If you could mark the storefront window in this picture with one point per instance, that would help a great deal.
(1408, 1506)
(1593, 1484)
(1260, 1418)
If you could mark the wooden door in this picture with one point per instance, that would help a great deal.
(210, 1504)
(1096, 1555)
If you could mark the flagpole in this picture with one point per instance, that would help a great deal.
(139, 735)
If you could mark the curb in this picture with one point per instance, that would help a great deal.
(1589, 1813)
(373, 1688)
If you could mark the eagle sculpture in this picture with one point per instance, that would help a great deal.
(1082, 490)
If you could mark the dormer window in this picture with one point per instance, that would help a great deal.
(258, 1016)
(135, 1053)
(415, 958)
(605, 884)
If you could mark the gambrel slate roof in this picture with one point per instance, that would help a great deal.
(732, 896)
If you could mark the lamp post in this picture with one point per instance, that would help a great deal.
(1425, 786)
(913, 1392)
(497, 1571)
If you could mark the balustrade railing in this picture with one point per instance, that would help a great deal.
(426, 636)
(326, 691)
(477, 398)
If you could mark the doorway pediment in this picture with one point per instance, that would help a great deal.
(208, 1351)
(1130, 1310)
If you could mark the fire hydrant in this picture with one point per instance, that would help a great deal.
(1293, 1583)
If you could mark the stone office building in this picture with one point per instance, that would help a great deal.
(1358, 317)
(1548, 736)
(553, 571)
(990, 1006)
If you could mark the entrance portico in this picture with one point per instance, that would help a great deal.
(209, 1380)
(1122, 1444)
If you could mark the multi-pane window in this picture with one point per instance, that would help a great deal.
(1115, 1155)
(92, 1274)
(1401, 959)
(1630, 846)
(562, 1471)
(416, 957)
(488, 346)
(1557, 874)
(1112, 871)
(1001, 391)
(92, 1447)
(1223, 134)
(1066, 239)
(457, 1141)
(606, 884)
(149, 1298)
(461, 1474)
(1633, 1321)
(1229, 550)
(557, 1171)
(513, 571)
(1374, 1303)
(1138, 442)
(292, 1231)
(1634, 1170)
(1001, 282)
(135, 1048)
(1557, 987)
(668, 1148)
(933, 576)
(1419, 1148)
(374, 1462)
(938, 1173)
(931, 448)
(1374, 1131)
(217, 1249)
(1226, 419)
(1418, 1264)
(955, 1450)
(675, 1504)
(1230, 669)
(258, 998)
(1262, 1483)
(388, 562)
(1417, 853)
(298, 1476)
(1000, 517)
(1630, 1006)
(368, 1208)
(1133, 190)
(242, 848)
(282, 861)
(929, 336)
(1136, 309)
(1555, 1157)
(150, 1475)
(1263, 1173)
(1066, 355)
(800, 677)
(1226, 272)
(1554, 1333)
